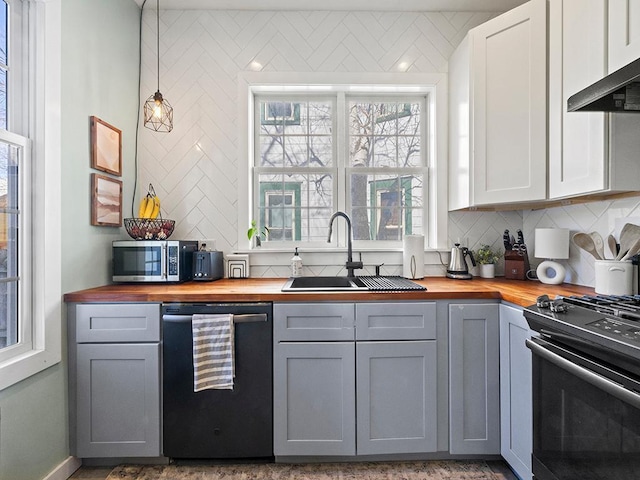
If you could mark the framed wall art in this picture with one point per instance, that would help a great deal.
(106, 201)
(106, 147)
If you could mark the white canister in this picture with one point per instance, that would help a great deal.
(413, 257)
(614, 277)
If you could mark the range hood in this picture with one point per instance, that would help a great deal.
(617, 92)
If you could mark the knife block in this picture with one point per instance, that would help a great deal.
(516, 265)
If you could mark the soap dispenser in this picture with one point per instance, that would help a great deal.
(296, 265)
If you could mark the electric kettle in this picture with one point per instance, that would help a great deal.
(458, 264)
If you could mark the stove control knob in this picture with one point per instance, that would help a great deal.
(543, 301)
(558, 306)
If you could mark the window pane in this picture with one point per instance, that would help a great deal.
(385, 152)
(295, 133)
(9, 218)
(3, 32)
(385, 207)
(409, 154)
(3, 98)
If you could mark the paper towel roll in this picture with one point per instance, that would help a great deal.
(413, 257)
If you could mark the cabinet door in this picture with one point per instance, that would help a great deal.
(624, 33)
(396, 321)
(118, 400)
(474, 377)
(314, 399)
(516, 428)
(117, 322)
(314, 322)
(577, 58)
(509, 78)
(397, 397)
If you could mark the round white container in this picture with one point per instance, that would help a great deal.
(614, 277)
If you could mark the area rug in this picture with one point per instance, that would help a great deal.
(423, 470)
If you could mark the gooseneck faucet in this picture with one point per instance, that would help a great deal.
(351, 265)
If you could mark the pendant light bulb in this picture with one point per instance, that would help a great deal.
(158, 113)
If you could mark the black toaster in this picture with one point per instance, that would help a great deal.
(208, 265)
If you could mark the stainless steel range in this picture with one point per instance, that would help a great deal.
(586, 387)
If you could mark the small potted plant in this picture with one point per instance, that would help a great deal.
(486, 258)
(254, 232)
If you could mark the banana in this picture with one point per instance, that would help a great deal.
(149, 209)
(143, 206)
(156, 207)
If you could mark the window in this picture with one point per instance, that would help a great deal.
(29, 212)
(364, 154)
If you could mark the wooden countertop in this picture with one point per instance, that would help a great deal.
(519, 292)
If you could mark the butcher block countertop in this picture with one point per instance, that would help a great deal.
(519, 292)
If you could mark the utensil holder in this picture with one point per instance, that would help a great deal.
(614, 277)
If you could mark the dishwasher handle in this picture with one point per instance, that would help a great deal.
(240, 318)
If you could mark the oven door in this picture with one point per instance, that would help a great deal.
(586, 417)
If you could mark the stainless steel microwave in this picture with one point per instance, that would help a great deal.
(153, 260)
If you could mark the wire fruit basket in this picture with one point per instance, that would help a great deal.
(149, 228)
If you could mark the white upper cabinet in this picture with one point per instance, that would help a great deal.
(624, 33)
(577, 58)
(498, 115)
(589, 152)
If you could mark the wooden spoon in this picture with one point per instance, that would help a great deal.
(635, 248)
(585, 242)
(613, 245)
(628, 237)
(598, 243)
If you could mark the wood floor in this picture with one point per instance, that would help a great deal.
(101, 473)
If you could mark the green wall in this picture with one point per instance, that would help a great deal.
(99, 77)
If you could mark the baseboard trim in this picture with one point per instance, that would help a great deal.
(65, 469)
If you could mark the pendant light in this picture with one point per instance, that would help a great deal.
(158, 113)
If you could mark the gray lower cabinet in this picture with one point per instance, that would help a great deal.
(314, 399)
(474, 378)
(114, 380)
(328, 355)
(516, 412)
(396, 407)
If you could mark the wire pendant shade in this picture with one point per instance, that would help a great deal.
(158, 112)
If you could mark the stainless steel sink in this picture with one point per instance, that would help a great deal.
(319, 284)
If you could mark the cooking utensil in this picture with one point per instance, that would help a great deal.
(613, 245)
(507, 240)
(628, 237)
(598, 243)
(585, 242)
(520, 237)
(635, 248)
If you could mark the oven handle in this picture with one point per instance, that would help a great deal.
(594, 379)
(242, 318)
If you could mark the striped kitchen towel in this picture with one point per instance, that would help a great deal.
(213, 352)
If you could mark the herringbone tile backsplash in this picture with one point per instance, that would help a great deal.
(194, 168)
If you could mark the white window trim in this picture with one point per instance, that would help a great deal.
(44, 132)
(252, 82)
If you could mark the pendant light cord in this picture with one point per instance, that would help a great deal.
(135, 153)
(158, 37)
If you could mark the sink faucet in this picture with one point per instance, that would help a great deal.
(351, 265)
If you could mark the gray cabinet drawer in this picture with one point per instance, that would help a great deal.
(122, 322)
(313, 322)
(396, 321)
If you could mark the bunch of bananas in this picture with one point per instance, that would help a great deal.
(149, 205)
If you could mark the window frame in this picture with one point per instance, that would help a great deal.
(434, 84)
(39, 123)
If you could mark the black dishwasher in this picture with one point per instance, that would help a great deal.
(218, 424)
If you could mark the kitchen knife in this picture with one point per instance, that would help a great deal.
(520, 237)
(507, 240)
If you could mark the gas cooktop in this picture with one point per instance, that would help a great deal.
(600, 324)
